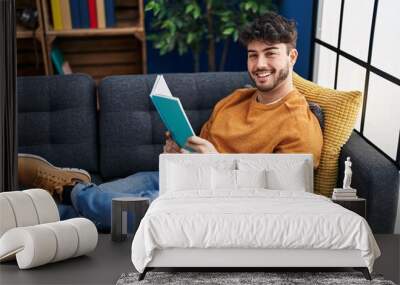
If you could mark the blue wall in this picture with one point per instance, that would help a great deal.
(300, 11)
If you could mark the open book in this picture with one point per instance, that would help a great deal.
(171, 112)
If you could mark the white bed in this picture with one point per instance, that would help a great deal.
(231, 211)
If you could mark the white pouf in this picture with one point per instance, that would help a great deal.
(31, 231)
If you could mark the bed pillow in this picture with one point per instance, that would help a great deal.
(281, 174)
(251, 178)
(223, 179)
(340, 114)
(230, 179)
(293, 180)
(183, 177)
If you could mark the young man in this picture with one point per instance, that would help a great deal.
(271, 118)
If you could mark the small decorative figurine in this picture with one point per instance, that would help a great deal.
(347, 174)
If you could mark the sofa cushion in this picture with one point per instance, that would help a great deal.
(340, 113)
(131, 131)
(57, 119)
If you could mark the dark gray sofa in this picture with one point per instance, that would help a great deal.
(58, 119)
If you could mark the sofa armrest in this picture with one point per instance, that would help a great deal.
(376, 179)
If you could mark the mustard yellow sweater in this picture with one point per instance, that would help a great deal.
(240, 124)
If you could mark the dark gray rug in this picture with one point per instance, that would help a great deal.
(243, 278)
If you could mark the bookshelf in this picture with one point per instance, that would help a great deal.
(24, 33)
(31, 45)
(99, 52)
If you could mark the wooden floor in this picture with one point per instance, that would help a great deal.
(111, 259)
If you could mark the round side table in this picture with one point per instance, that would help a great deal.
(127, 210)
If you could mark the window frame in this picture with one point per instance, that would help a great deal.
(365, 64)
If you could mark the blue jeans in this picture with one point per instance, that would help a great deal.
(94, 201)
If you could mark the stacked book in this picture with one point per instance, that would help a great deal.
(344, 194)
(75, 14)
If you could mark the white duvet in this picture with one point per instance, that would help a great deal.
(250, 219)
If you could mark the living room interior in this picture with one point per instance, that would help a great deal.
(78, 93)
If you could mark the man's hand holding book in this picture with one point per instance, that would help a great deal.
(198, 144)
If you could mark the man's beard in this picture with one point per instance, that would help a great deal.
(282, 75)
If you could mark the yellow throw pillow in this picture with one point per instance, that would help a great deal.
(340, 113)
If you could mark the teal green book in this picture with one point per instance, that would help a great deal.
(57, 59)
(171, 112)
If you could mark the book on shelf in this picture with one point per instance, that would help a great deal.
(345, 194)
(66, 14)
(341, 190)
(101, 15)
(344, 198)
(109, 6)
(57, 59)
(66, 68)
(84, 13)
(171, 112)
(56, 14)
(92, 14)
(75, 14)
(60, 65)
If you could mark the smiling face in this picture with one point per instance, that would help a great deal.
(269, 64)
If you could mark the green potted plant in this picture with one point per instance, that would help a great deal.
(193, 25)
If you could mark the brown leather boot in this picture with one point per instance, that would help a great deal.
(35, 171)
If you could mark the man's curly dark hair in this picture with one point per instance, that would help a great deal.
(270, 28)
